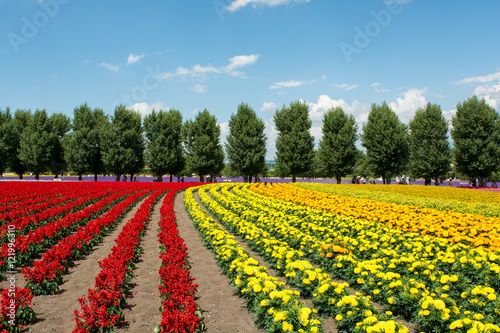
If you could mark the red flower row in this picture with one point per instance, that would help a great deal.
(103, 307)
(177, 288)
(45, 276)
(42, 203)
(28, 246)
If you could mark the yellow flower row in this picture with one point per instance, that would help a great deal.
(474, 230)
(328, 296)
(387, 249)
(277, 308)
(440, 198)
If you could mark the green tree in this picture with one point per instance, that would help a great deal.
(385, 138)
(5, 129)
(430, 153)
(476, 135)
(82, 146)
(37, 143)
(164, 153)
(295, 144)
(337, 149)
(61, 125)
(18, 124)
(204, 153)
(246, 142)
(123, 144)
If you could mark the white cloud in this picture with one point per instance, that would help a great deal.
(269, 107)
(345, 86)
(133, 58)
(290, 83)
(115, 68)
(199, 88)
(242, 61)
(489, 91)
(405, 107)
(86, 61)
(376, 88)
(440, 96)
(480, 78)
(145, 108)
(491, 94)
(238, 4)
(224, 129)
(202, 71)
(324, 103)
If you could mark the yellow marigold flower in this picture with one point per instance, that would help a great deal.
(287, 327)
(339, 317)
(391, 300)
(492, 297)
(477, 316)
(264, 302)
(439, 304)
(323, 288)
(279, 316)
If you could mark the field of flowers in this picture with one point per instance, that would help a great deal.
(47, 227)
(367, 258)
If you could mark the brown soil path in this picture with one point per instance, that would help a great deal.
(223, 311)
(55, 312)
(143, 308)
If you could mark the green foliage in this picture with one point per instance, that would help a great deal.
(37, 143)
(5, 128)
(295, 144)
(476, 134)
(386, 141)
(82, 146)
(204, 153)
(337, 150)
(122, 143)
(164, 154)
(61, 125)
(430, 153)
(246, 142)
(13, 140)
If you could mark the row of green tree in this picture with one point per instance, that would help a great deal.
(122, 144)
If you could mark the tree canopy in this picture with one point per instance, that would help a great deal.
(123, 144)
(337, 150)
(164, 152)
(385, 138)
(204, 153)
(246, 142)
(430, 153)
(37, 143)
(295, 144)
(476, 135)
(82, 146)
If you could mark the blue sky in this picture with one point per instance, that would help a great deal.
(197, 54)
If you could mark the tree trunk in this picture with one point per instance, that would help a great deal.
(95, 177)
(21, 176)
(482, 182)
(170, 178)
(117, 178)
(159, 178)
(245, 179)
(201, 179)
(427, 181)
(294, 178)
(384, 179)
(436, 181)
(339, 179)
(132, 177)
(250, 178)
(80, 177)
(37, 176)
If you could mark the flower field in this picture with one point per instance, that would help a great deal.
(301, 258)
(49, 227)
